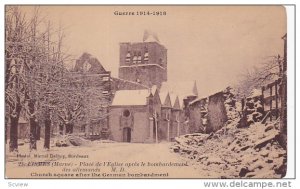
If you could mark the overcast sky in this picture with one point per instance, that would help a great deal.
(209, 44)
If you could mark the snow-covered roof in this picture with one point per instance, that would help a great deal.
(153, 89)
(206, 95)
(197, 100)
(177, 104)
(162, 96)
(255, 93)
(165, 99)
(132, 82)
(173, 98)
(183, 89)
(131, 97)
(181, 101)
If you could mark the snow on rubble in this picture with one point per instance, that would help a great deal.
(234, 152)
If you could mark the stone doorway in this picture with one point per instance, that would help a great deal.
(126, 134)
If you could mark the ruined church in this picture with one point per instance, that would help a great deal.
(148, 112)
(140, 105)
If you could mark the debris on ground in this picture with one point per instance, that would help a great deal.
(233, 152)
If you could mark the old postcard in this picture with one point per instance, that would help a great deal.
(145, 91)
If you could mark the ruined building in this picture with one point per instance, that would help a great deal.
(141, 105)
(209, 114)
(144, 107)
(92, 82)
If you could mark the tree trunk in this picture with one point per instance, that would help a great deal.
(6, 122)
(47, 130)
(14, 120)
(61, 128)
(69, 128)
(38, 132)
(33, 124)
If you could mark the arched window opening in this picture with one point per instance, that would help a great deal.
(139, 59)
(128, 57)
(134, 60)
(146, 57)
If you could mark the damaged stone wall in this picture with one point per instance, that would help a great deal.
(198, 114)
(230, 105)
(254, 109)
(90, 79)
(234, 152)
(211, 113)
(216, 114)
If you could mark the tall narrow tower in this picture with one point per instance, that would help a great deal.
(143, 62)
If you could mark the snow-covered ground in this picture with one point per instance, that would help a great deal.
(235, 152)
(136, 158)
(230, 152)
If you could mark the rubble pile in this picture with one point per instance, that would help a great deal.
(254, 109)
(230, 105)
(203, 115)
(70, 140)
(235, 152)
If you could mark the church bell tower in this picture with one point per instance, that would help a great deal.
(144, 62)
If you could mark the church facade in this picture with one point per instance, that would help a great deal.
(152, 114)
(139, 105)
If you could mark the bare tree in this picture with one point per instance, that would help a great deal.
(257, 77)
(45, 74)
(34, 68)
(51, 71)
(70, 106)
(16, 62)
